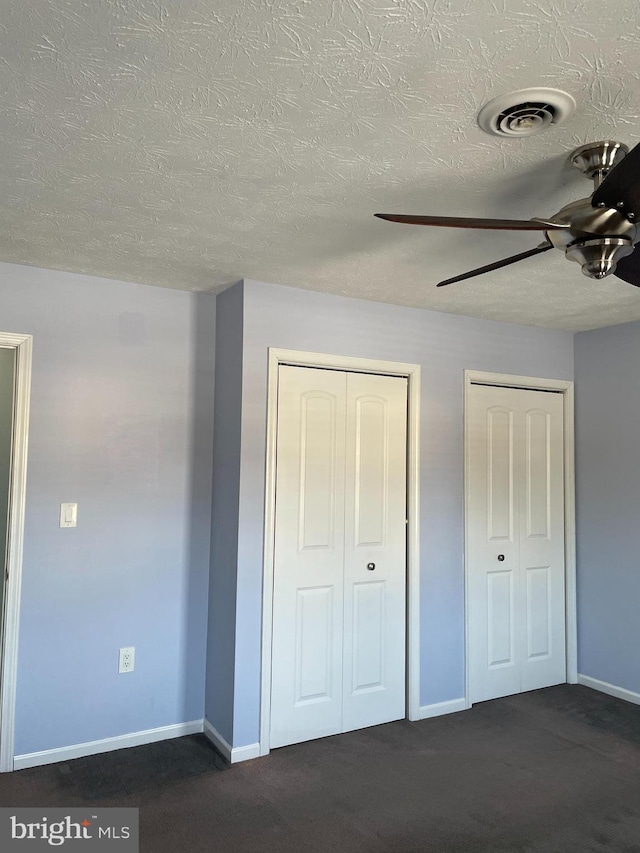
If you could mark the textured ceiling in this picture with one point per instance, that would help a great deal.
(188, 144)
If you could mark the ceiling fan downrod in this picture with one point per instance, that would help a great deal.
(596, 159)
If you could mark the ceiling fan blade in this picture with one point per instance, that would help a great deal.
(470, 222)
(497, 264)
(622, 184)
(628, 268)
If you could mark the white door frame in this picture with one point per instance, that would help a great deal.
(362, 365)
(22, 344)
(481, 377)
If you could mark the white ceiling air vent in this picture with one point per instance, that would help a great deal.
(526, 112)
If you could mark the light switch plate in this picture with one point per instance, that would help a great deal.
(68, 515)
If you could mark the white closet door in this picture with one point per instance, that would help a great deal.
(516, 600)
(306, 675)
(375, 536)
(338, 653)
(492, 525)
(542, 540)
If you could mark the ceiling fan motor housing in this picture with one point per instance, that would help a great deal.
(596, 237)
(526, 112)
(581, 218)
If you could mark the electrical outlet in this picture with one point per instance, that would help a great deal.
(127, 659)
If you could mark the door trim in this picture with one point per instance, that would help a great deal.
(566, 388)
(22, 344)
(362, 365)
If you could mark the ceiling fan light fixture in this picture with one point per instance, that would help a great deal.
(598, 258)
(526, 112)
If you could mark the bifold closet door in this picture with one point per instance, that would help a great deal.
(308, 589)
(515, 549)
(338, 646)
(375, 551)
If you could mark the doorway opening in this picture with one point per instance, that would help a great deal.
(15, 378)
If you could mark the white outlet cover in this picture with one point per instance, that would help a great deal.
(126, 659)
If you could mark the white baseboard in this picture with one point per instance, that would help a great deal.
(233, 754)
(440, 708)
(610, 689)
(245, 753)
(79, 750)
(217, 740)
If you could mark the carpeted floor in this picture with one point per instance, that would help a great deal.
(553, 770)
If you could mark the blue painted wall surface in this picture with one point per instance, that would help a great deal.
(221, 651)
(121, 421)
(444, 345)
(607, 364)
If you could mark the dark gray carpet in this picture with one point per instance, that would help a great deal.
(553, 770)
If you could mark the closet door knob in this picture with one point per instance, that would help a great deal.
(371, 566)
(501, 557)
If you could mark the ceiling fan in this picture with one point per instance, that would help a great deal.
(599, 232)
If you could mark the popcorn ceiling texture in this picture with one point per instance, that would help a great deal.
(189, 144)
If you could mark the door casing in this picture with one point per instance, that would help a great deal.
(299, 358)
(566, 388)
(22, 344)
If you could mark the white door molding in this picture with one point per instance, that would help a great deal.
(363, 365)
(566, 388)
(22, 344)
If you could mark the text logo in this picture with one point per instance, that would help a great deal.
(105, 830)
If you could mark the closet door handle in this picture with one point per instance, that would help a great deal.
(371, 566)
(501, 558)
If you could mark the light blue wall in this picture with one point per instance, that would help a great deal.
(224, 532)
(7, 362)
(608, 501)
(121, 422)
(444, 345)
